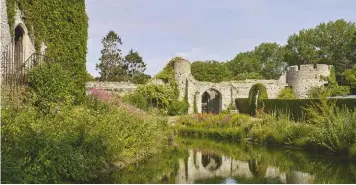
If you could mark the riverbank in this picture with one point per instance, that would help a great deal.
(72, 143)
(325, 132)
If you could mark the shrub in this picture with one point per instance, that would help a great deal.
(257, 91)
(136, 99)
(157, 95)
(50, 84)
(178, 108)
(74, 142)
(286, 93)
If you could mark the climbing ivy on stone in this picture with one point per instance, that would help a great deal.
(167, 75)
(257, 91)
(63, 27)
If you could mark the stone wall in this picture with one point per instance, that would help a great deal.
(28, 46)
(304, 77)
(300, 80)
(120, 88)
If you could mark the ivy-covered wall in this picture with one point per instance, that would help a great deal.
(63, 27)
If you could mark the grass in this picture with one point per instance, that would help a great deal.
(328, 129)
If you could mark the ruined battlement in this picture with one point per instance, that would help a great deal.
(309, 67)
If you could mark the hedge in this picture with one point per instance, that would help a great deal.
(292, 106)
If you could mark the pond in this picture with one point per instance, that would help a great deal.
(206, 161)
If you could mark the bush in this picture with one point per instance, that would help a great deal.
(287, 93)
(49, 84)
(158, 96)
(257, 91)
(178, 108)
(136, 99)
(74, 142)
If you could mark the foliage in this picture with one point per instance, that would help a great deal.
(50, 85)
(158, 96)
(63, 27)
(167, 75)
(111, 66)
(333, 89)
(328, 129)
(257, 91)
(211, 71)
(327, 43)
(350, 75)
(286, 93)
(177, 108)
(114, 67)
(265, 61)
(136, 99)
(135, 68)
(195, 106)
(74, 142)
(292, 107)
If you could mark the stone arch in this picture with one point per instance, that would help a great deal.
(19, 40)
(211, 162)
(211, 101)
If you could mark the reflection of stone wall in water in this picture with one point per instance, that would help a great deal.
(301, 80)
(204, 166)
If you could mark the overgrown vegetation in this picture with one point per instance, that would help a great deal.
(327, 128)
(256, 94)
(63, 27)
(48, 139)
(286, 93)
(163, 97)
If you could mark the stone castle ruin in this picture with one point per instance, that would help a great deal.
(215, 97)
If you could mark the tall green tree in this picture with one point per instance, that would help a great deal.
(271, 58)
(111, 65)
(265, 61)
(211, 71)
(328, 43)
(135, 68)
(245, 66)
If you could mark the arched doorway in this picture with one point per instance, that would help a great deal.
(18, 50)
(211, 101)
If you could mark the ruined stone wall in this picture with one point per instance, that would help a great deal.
(300, 80)
(305, 77)
(28, 46)
(120, 88)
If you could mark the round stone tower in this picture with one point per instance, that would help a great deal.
(304, 77)
(182, 71)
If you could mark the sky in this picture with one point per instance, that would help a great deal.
(203, 29)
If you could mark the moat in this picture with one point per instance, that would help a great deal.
(206, 161)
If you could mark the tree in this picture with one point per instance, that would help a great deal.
(211, 71)
(265, 61)
(135, 68)
(350, 76)
(111, 65)
(245, 65)
(271, 58)
(328, 43)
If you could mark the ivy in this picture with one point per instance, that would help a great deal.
(260, 90)
(63, 27)
(167, 75)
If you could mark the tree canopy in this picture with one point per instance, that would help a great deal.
(212, 71)
(114, 67)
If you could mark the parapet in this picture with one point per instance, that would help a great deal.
(309, 67)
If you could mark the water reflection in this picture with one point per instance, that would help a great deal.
(202, 166)
(202, 161)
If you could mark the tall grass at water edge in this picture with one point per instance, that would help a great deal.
(327, 128)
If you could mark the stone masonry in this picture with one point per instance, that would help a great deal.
(299, 79)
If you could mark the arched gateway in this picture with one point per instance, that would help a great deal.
(211, 101)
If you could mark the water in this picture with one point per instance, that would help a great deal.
(204, 161)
